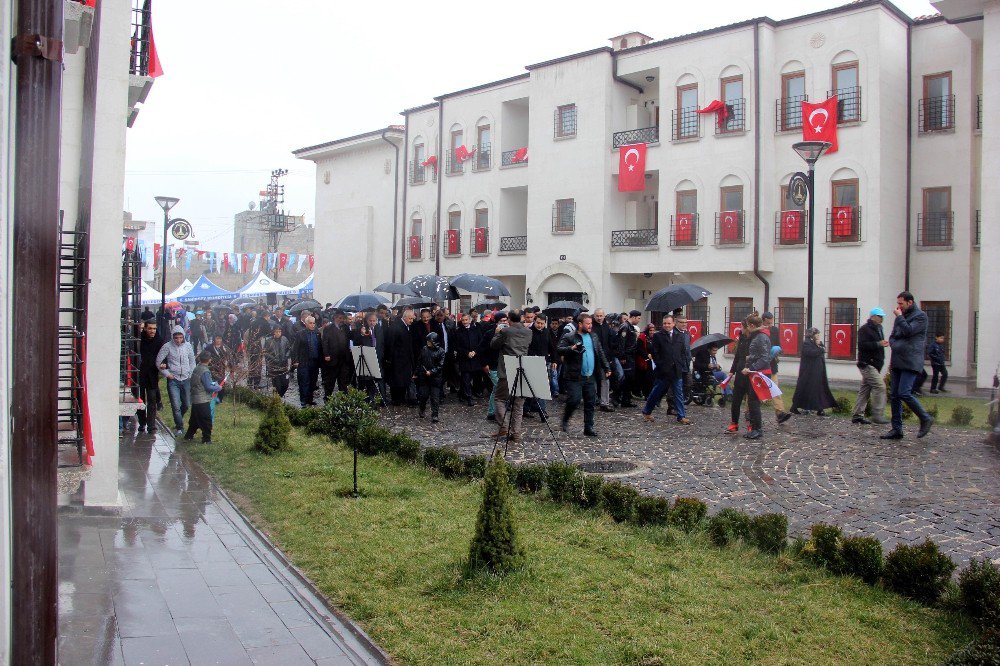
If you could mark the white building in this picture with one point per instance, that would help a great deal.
(537, 205)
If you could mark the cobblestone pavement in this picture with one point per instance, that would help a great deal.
(813, 469)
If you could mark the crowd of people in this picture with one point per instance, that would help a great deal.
(594, 360)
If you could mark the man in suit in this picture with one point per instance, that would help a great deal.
(336, 356)
(670, 353)
(371, 334)
(399, 357)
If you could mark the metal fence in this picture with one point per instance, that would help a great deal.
(735, 118)
(629, 137)
(791, 228)
(730, 229)
(513, 244)
(848, 104)
(844, 230)
(935, 229)
(936, 114)
(788, 113)
(685, 123)
(634, 238)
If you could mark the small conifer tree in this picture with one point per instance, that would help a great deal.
(272, 433)
(496, 546)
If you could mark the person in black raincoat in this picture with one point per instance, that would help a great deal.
(430, 376)
(399, 357)
(468, 339)
(812, 391)
(150, 343)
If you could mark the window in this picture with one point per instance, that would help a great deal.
(842, 328)
(729, 230)
(938, 323)
(732, 197)
(845, 218)
(934, 229)
(937, 108)
(732, 95)
(738, 310)
(686, 123)
(791, 223)
(565, 121)
(793, 93)
(791, 321)
(455, 220)
(480, 232)
(415, 243)
(453, 235)
(684, 231)
(623, 44)
(418, 172)
(687, 202)
(454, 164)
(698, 312)
(845, 87)
(416, 226)
(482, 160)
(564, 216)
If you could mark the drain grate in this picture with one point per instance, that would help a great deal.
(607, 466)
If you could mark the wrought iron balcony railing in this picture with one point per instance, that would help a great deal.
(513, 244)
(735, 118)
(730, 230)
(634, 238)
(629, 137)
(935, 229)
(936, 114)
(142, 35)
(848, 104)
(479, 241)
(482, 161)
(788, 113)
(685, 124)
(844, 225)
(515, 157)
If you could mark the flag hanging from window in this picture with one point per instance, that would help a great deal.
(520, 155)
(791, 226)
(415, 247)
(684, 228)
(453, 241)
(819, 122)
(719, 108)
(431, 161)
(480, 240)
(729, 227)
(694, 331)
(843, 221)
(154, 69)
(735, 330)
(462, 153)
(789, 338)
(632, 168)
(840, 340)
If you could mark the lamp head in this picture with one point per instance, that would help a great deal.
(810, 151)
(166, 203)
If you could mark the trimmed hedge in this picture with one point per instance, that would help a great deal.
(620, 501)
(979, 587)
(919, 572)
(862, 557)
(687, 513)
(652, 510)
(529, 478)
(729, 525)
(769, 532)
(563, 480)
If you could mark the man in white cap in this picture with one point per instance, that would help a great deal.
(871, 358)
(176, 361)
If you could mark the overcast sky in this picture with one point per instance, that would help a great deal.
(247, 81)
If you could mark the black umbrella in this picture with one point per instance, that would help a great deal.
(489, 305)
(413, 302)
(717, 339)
(362, 300)
(563, 308)
(435, 287)
(480, 284)
(675, 296)
(395, 288)
(307, 304)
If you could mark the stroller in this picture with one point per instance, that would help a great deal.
(702, 390)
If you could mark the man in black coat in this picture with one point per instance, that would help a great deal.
(871, 358)
(370, 334)
(468, 340)
(671, 353)
(583, 361)
(907, 341)
(150, 343)
(602, 331)
(627, 343)
(337, 364)
(399, 357)
(307, 350)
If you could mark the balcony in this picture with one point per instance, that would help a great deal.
(481, 161)
(788, 113)
(684, 230)
(791, 228)
(78, 25)
(936, 114)
(512, 158)
(418, 173)
(735, 122)
(843, 225)
(730, 229)
(935, 230)
(685, 124)
(479, 241)
(645, 238)
(142, 55)
(629, 137)
(513, 244)
(452, 243)
(848, 104)
(415, 248)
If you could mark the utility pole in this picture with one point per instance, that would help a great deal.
(272, 219)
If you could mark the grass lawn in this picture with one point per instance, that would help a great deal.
(594, 592)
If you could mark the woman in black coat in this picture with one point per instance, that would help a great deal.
(812, 391)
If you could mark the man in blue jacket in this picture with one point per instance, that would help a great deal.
(907, 342)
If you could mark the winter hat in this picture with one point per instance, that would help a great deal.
(432, 338)
(177, 330)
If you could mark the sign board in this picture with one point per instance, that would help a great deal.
(535, 373)
(798, 189)
(368, 368)
(180, 230)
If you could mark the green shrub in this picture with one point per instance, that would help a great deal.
(727, 526)
(450, 464)
(302, 417)
(620, 500)
(961, 415)
(769, 532)
(475, 466)
(344, 416)
(687, 513)
(652, 511)
(934, 410)
(272, 433)
(862, 557)
(844, 406)
(591, 492)
(496, 546)
(529, 478)
(370, 440)
(979, 585)
(920, 572)
(984, 651)
(432, 456)
(404, 446)
(564, 481)
(823, 547)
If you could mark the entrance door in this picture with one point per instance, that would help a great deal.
(554, 296)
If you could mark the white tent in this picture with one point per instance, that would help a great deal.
(262, 285)
(149, 295)
(182, 288)
(304, 287)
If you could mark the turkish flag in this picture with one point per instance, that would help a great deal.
(843, 221)
(819, 122)
(244, 260)
(225, 261)
(720, 110)
(154, 69)
(480, 240)
(760, 387)
(282, 261)
(312, 260)
(415, 247)
(694, 330)
(632, 168)
(520, 156)
(156, 255)
(684, 228)
(791, 226)
(735, 329)
(431, 161)
(729, 227)
(789, 339)
(453, 241)
(462, 153)
(840, 340)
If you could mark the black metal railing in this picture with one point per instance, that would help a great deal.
(629, 137)
(142, 34)
(418, 173)
(735, 118)
(730, 230)
(510, 157)
(453, 165)
(564, 217)
(634, 238)
(979, 112)
(684, 230)
(788, 113)
(481, 160)
(845, 228)
(791, 228)
(977, 230)
(848, 104)
(432, 247)
(513, 244)
(479, 241)
(685, 124)
(935, 229)
(452, 243)
(415, 248)
(937, 114)
(564, 122)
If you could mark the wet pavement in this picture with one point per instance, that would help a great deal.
(180, 577)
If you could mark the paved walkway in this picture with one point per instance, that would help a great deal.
(945, 486)
(181, 578)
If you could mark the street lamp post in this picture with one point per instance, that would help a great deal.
(182, 229)
(810, 151)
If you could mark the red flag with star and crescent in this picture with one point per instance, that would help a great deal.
(789, 339)
(840, 340)
(819, 122)
(632, 168)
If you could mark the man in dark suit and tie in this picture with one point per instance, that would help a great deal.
(669, 353)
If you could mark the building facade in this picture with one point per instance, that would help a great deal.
(906, 201)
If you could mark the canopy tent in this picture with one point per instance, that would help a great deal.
(304, 287)
(206, 290)
(262, 285)
(148, 295)
(182, 288)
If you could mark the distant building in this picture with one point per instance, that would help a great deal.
(250, 236)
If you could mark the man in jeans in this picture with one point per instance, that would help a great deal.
(583, 363)
(670, 353)
(907, 341)
(871, 358)
(176, 362)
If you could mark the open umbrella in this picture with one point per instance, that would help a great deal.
(434, 287)
(307, 304)
(484, 306)
(362, 300)
(563, 308)
(676, 296)
(243, 302)
(395, 288)
(716, 339)
(479, 284)
(414, 302)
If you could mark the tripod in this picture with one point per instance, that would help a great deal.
(515, 389)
